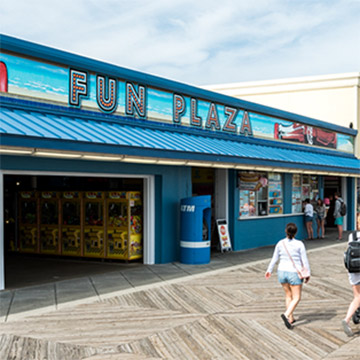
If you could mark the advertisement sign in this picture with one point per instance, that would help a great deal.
(224, 236)
(252, 181)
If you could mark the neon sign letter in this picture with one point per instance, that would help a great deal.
(178, 108)
(106, 93)
(135, 100)
(246, 125)
(194, 119)
(212, 118)
(78, 86)
(229, 124)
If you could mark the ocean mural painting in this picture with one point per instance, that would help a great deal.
(73, 87)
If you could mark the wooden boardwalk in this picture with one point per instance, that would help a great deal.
(226, 314)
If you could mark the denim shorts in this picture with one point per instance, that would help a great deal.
(289, 277)
(308, 218)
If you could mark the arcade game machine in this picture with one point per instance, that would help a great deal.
(49, 223)
(70, 223)
(28, 222)
(124, 225)
(94, 206)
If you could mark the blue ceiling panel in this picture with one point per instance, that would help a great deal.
(145, 138)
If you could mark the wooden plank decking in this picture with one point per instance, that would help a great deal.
(233, 314)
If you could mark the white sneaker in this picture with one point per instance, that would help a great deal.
(347, 328)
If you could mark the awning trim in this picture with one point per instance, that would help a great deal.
(39, 129)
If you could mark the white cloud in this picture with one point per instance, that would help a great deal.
(199, 42)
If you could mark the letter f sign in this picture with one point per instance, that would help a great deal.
(77, 86)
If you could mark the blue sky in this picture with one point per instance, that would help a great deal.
(198, 42)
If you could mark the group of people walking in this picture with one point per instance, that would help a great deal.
(321, 211)
(294, 269)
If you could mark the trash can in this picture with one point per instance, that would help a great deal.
(195, 221)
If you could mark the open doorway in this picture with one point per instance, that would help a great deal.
(47, 221)
(332, 184)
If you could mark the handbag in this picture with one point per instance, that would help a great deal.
(304, 272)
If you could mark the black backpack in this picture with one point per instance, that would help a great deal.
(352, 254)
(342, 208)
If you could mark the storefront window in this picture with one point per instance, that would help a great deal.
(311, 184)
(260, 194)
(275, 194)
(296, 194)
(304, 187)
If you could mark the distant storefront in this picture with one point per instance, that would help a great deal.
(96, 158)
(334, 98)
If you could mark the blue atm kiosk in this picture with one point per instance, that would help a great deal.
(195, 230)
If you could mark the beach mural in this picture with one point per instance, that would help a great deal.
(34, 79)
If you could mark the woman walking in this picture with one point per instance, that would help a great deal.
(354, 279)
(292, 256)
(320, 218)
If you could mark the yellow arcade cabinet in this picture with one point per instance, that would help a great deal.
(49, 223)
(124, 225)
(94, 206)
(70, 223)
(28, 222)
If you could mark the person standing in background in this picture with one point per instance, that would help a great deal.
(309, 214)
(320, 218)
(337, 215)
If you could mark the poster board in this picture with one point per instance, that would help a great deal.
(224, 237)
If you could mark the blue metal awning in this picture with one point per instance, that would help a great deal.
(63, 129)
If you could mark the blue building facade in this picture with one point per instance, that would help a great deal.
(72, 124)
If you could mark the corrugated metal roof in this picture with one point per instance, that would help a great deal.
(40, 125)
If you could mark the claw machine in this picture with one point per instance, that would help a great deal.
(70, 223)
(124, 225)
(49, 223)
(94, 206)
(28, 222)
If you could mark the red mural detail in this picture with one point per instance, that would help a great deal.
(3, 77)
(305, 134)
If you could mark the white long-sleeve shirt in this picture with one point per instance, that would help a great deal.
(297, 251)
(309, 210)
